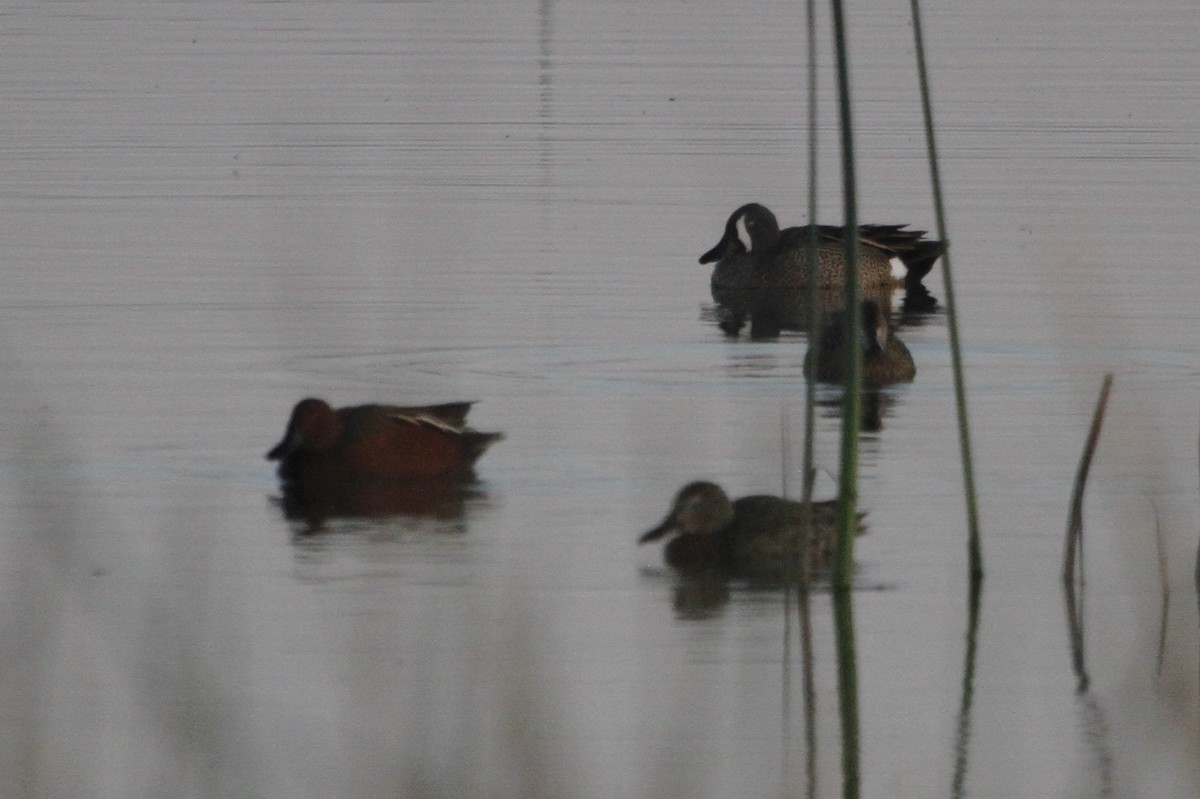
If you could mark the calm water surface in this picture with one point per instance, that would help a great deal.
(212, 210)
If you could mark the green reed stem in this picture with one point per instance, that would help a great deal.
(808, 674)
(810, 383)
(843, 556)
(974, 547)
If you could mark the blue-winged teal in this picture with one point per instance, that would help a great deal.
(885, 358)
(749, 536)
(755, 253)
(377, 442)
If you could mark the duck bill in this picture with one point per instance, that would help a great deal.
(874, 336)
(667, 525)
(725, 246)
(284, 448)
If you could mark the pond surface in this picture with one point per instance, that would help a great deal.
(212, 210)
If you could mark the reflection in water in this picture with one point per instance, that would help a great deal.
(917, 305)
(1092, 723)
(847, 670)
(808, 677)
(699, 595)
(770, 311)
(876, 404)
(315, 503)
(963, 736)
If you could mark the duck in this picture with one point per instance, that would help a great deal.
(755, 253)
(756, 535)
(324, 445)
(886, 360)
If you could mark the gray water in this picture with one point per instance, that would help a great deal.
(212, 210)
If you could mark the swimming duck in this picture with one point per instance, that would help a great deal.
(750, 536)
(885, 358)
(755, 253)
(378, 442)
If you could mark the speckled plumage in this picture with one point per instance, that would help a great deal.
(755, 253)
(750, 536)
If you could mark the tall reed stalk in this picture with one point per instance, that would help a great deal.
(814, 308)
(974, 547)
(843, 556)
(810, 404)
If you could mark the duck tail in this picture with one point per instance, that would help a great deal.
(451, 413)
(474, 443)
(920, 259)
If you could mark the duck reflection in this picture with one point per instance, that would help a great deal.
(758, 538)
(771, 311)
(876, 404)
(315, 503)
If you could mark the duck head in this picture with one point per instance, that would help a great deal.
(874, 332)
(314, 427)
(751, 227)
(874, 328)
(700, 508)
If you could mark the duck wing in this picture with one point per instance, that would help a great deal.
(449, 416)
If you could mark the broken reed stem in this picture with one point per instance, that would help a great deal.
(1075, 519)
(974, 545)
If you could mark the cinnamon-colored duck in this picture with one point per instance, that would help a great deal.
(378, 442)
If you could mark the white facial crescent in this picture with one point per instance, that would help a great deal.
(742, 233)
